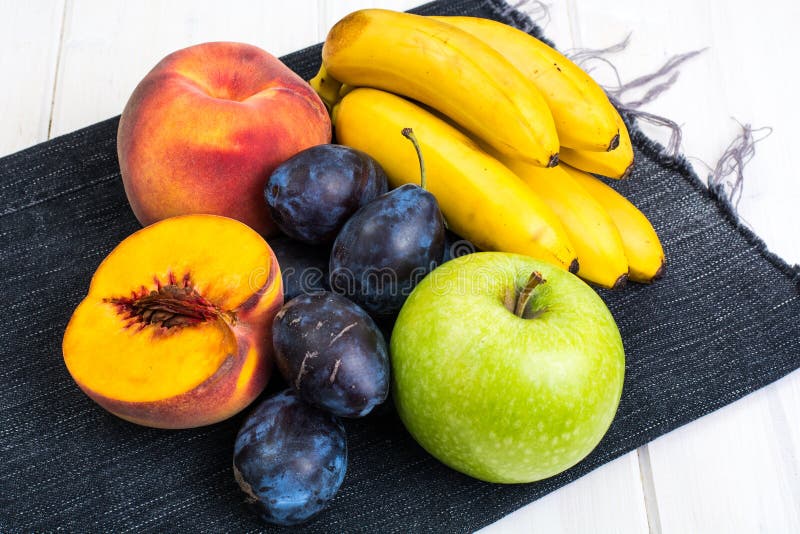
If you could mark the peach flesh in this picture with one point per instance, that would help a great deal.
(181, 350)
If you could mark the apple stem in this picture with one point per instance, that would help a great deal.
(408, 133)
(525, 295)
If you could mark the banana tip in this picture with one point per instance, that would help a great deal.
(553, 160)
(658, 274)
(573, 267)
(627, 172)
(661, 270)
(621, 282)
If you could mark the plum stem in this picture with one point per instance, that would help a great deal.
(525, 295)
(408, 133)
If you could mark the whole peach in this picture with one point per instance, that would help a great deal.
(203, 131)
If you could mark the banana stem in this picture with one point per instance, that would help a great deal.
(327, 87)
(408, 133)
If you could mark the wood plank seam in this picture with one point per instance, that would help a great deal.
(67, 6)
(321, 19)
(784, 446)
(574, 26)
(649, 490)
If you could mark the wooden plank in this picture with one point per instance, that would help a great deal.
(30, 33)
(608, 499)
(331, 12)
(735, 470)
(110, 46)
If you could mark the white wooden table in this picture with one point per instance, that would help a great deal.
(66, 64)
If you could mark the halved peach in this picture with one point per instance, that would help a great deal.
(175, 331)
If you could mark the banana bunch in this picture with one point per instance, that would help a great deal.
(480, 198)
(494, 110)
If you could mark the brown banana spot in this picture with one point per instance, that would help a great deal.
(343, 33)
(614, 143)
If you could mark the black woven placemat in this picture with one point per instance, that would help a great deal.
(722, 323)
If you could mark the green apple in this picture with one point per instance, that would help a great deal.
(504, 396)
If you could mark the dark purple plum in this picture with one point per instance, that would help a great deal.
(388, 246)
(289, 458)
(313, 193)
(332, 353)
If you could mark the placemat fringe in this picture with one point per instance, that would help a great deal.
(522, 19)
(736, 156)
(732, 162)
(723, 202)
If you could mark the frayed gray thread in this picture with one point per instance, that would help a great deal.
(583, 57)
(671, 67)
(671, 157)
(673, 147)
(727, 177)
(580, 55)
(652, 93)
(536, 11)
(736, 156)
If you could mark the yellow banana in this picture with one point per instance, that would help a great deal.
(481, 199)
(449, 70)
(597, 241)
(583, 115)
(642, 246)
(326, 86)
(615, 164)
